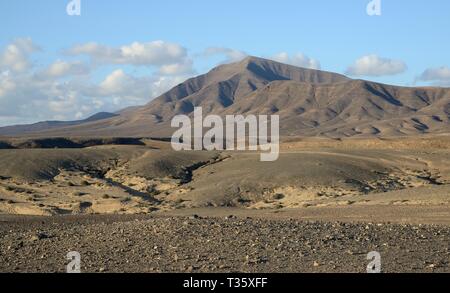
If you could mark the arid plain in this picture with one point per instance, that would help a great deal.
(150, 177)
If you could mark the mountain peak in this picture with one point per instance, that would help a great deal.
(254, 59)
(251, 61)
(309, 103)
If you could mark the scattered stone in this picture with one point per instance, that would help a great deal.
(163, 244)
(39, 236)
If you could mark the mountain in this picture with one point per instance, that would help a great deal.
(309, 103)
(49, 125)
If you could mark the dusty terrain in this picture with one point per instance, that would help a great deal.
(130, 207)
(132, 179)
(182, 244)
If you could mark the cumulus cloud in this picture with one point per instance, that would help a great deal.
(231, 55)
(171, 57)
(120, 85)
(439, 76)
(37, 97)
(373, 65)
(33, 98)
(183, 67)
(16, 56)
(62, 68)
(65, 90)
(6, 84)
(298, 59)
(116, 82)
(130, 89)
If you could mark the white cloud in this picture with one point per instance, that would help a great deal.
(231, 55)
(118, 83)
(29, 93)
(7, 85)
(63, 105)
(184, 67)
(153, 53)
(440, 76)
(115, 81)
(298, 59)
(36, 99)
(62, 68)
(28, 98)
(373, 65)
(127, 90)
(15, 56)
(171, 58)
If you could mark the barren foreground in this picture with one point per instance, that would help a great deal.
(131, 208)
(192, 244)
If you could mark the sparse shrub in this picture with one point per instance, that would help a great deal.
(78, 193)
(84, 183)
(126, 199)
(278, 196)
(85, 205)
(242, 201)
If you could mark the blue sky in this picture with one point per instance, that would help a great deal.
(407, 45)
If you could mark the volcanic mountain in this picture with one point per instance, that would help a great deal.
(309, 103)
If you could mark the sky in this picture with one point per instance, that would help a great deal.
(115, 54)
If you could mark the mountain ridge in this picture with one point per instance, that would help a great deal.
(309, 102)
(43, 125)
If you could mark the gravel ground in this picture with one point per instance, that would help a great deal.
(194, 244)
